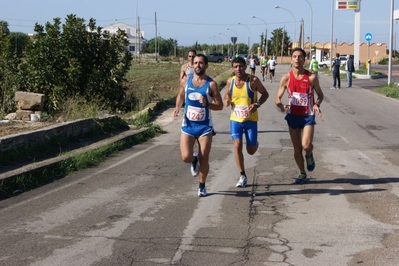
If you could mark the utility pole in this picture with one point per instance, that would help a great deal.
(156, 39)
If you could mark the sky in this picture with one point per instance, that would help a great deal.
(207, 21)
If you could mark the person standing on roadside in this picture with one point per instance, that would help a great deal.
(300, 110)
(314, 66)
(264, 66)
(201, 95)
(336, 64)
(242, 94)
(350, 68)
(188, 68)
(272, 67)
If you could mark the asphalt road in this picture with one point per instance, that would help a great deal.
(140, 207)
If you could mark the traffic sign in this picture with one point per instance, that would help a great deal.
(368, 36)
(234, 40)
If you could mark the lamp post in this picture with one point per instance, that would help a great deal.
(228, 47)
(294, 22)
(221, 42)
(215, 42)
(311, 25)
(266, 42)
(236, 37)
(249, 37)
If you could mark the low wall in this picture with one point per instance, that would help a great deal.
(64, 130)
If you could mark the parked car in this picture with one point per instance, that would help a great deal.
(215, 57)
(326, 63)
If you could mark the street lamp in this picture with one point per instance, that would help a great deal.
(228, 47)
(266, 42)
(221, 41)
(311, 26)
(249, 37)
(215, 42)
(294, 22)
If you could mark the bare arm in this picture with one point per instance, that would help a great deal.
(227, 96)
(179, 98)
(257, 85)
(281, 90)
(314, 81)
(183, 71)
(217, 103)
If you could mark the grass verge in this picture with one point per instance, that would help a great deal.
(390, 90)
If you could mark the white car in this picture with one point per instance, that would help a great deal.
(326, 63)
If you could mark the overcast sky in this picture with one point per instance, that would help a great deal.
(199, 21)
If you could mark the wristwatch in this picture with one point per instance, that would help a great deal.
(318, 105)
(257, 104)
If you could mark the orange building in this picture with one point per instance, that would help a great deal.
(375, 52)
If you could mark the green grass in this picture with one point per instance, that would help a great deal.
(148, 81)
(391, 90)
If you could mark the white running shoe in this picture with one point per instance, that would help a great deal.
(202, 192)
(242, 182)
(194, 167)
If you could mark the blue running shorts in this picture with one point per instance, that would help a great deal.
(197, 131)
(299, 121)
(250, 128)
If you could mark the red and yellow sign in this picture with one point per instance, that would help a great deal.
(345, 5)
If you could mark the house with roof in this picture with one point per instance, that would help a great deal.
(135, 36)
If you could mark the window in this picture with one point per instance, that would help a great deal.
(131, 48)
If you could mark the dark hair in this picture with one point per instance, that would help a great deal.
(192, 51)
(337, 54)
(299, 49)
(204, 57)
(238, 59)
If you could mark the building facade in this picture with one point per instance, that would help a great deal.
(135, 36)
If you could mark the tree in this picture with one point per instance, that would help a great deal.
(9, 63)
(75, 59)
(276, 42)
(4, 27)
(165, 47)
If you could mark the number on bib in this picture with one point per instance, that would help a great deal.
(195, 113)
(241, 111)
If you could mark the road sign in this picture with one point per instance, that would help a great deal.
(347, 5)
(368, 36)
(233, 40)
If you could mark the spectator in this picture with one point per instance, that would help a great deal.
(350, 68)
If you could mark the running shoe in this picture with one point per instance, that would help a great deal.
(302, 178)
(202, 192)
(194, 166)
(242, 182)
(310, 163)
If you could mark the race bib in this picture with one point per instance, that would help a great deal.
(241, 111)
(195, 113)
(299, 99)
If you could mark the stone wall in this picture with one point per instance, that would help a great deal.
(65, 130)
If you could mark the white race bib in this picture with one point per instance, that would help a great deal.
(241, 111)
(195, 113)
(299, 99)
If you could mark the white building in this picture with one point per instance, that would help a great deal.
(136, 38)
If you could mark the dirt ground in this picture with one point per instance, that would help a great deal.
(17, 127)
